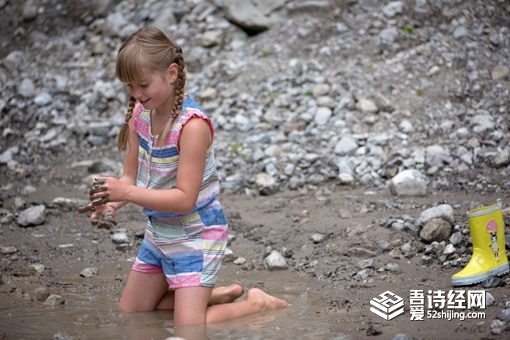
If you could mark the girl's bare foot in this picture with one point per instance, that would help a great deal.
(226, 294)
(264, 301)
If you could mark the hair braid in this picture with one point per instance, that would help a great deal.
(122, 138)
(178, 93)
(179, 88)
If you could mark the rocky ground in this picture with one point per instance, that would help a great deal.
(340, 125)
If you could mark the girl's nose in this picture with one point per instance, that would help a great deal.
(135, 92)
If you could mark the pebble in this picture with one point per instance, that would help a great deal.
(32, 216)
(275, 261)
(54, 299)
(88, 272)
(40, 294)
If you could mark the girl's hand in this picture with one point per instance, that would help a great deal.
(103, 211)
(103, 216)
(110, 190)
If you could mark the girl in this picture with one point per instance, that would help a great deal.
(169, 170)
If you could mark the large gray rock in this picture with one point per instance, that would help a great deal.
(252, 15)
(444, 211)
(410, 182)
(32, 216)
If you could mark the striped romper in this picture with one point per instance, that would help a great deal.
(187, 248)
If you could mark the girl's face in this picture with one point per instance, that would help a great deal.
(155, 89)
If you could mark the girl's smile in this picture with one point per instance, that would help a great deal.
(154, 91)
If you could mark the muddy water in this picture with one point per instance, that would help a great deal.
(93, 316)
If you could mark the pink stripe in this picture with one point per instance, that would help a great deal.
(215, 233)
(143, 267)
(183, 280)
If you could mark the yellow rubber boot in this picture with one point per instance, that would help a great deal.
(488, 237)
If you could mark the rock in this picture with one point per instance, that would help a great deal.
(228, 256)
(346, 146)
(54, 299)
(8, 250)
(392, 267)
(119, 236)
(409, 182)
(436, 229)
(444, 211)
(26, 88)
(40, 294)
(504, 315)
(319, 237)
(88, 272)
(498, 327)
(254, 16)
(367, 263)
(38, 267)
(361, 252)
(367, 106)
(456, 238)
(32, 216)
(500, 72)
(240, 261)
(489, 299)
(275, 261)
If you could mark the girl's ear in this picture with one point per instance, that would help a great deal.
(173, 72)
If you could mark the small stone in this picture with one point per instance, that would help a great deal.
(392, 267)
(367, 263)
(240, 261)
(275, 261)
(40, 294)
(498, 326)
(318, 237)
(504, 315)
(8, 250)
(88, 272)
(228, 256)
(489, 299)
(500, 72)
(54, 300)
(120, 236)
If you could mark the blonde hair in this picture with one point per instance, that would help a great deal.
(151, 48)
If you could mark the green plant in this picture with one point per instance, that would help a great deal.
(266, 53)
(407, 30)
(235, 147)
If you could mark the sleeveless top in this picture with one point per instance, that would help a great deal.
(157, 164)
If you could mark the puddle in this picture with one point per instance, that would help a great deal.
(84, 317)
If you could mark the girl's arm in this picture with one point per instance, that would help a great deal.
(130, 164)
(195, 139)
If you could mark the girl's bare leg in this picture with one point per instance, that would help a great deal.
(192, 306)
(257, 301)
(223, 294)
(147, 292)
(143, 292)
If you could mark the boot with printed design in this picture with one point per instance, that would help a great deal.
(489, 258)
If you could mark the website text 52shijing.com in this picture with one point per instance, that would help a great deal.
(452, 314)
